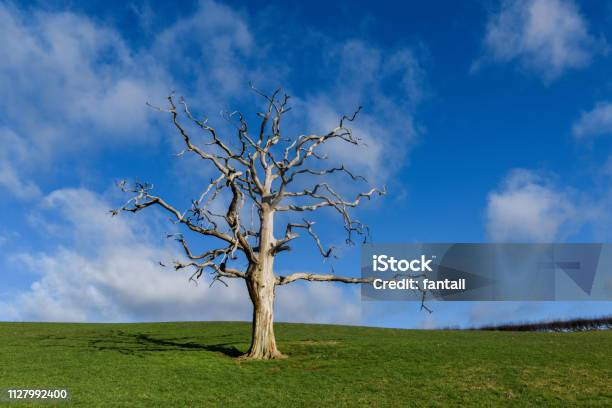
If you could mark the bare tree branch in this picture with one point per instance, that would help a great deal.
(290, 235)
(283, 280)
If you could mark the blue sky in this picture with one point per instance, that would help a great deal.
(486, 120)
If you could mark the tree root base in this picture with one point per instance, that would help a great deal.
(275, 355)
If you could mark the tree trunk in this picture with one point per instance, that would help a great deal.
(260, 283)
(263, 342)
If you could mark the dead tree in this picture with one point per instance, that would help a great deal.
(261, 170)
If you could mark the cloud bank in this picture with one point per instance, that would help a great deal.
(110, 271)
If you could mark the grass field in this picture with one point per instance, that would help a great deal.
(193, 364)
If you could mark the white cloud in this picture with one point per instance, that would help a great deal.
(14, 151)
(216, 44)
(536, 207)
(595, 122)
(70, 85)
(548, 37)
(10, 180)
(110, 272)
(529, 208)
(66, 70)
(367, 76)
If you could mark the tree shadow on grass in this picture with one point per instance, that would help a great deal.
(140, 344)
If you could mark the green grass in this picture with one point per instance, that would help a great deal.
(190, 364)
